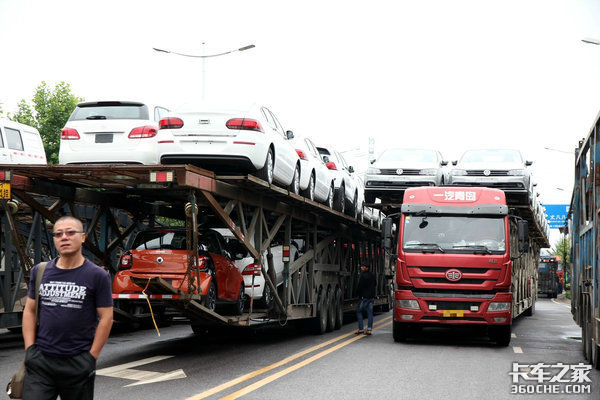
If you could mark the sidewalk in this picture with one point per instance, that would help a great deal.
(561, 298)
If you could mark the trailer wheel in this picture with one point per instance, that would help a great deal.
(322, 311)
(331, 310)
(399, 331)
(530, 311)
(500, 334)
(339, 309)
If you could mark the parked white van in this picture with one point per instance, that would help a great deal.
(20, 144)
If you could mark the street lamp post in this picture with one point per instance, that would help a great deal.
(204, 56)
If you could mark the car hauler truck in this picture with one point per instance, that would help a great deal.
(584, 234)
(463, 256)
(116, 201)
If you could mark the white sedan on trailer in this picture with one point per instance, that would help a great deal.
(316, 180)
(231, 139)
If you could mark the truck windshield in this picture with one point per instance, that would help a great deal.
(459, 234)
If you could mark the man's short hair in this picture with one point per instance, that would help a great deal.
(366, 264)
(69, 217)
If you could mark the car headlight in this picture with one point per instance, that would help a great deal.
(517, 172)
(373, 171)
(411, 304)
(499, 306)
(429, 171)
(456, 172)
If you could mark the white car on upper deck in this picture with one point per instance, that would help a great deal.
(123, 132)
(504, 169)
(231, 139)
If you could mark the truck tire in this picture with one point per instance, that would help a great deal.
(331, 310)
(399, 331)
(500, 334)
(530, 311)
(339, 309)
(320, 322)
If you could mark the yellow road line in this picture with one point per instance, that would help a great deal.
(286, 360)
(293, 368)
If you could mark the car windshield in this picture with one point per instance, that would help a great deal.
(164, 239)
(110, 111)
(404, 155)
(454, 234)
(492, 156)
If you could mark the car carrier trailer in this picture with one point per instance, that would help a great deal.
(584, 234)
(116, 201)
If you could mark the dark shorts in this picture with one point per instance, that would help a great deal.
(47, 377)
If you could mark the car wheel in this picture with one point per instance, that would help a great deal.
(330, 196)
(340, 200)
(210, 299)
(309, 192)
(238, 306)
(355, 206)
(295, 185)
(266, 172)
(267, 298)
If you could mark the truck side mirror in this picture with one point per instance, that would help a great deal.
(523, 235)
(386, 231)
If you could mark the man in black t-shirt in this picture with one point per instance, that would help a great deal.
(75, 318)
(366, 294)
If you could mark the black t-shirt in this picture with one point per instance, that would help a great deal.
(67, 307)
(366, 285)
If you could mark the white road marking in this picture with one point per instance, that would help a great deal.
(517, 350)
(126, 371)
(561, 304)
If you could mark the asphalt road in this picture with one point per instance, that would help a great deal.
(289, 363)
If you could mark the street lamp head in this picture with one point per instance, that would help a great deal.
(591, 41)
(160, 50)
(251, 46)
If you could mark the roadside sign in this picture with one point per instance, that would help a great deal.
(557, 215)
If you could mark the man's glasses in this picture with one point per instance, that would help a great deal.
(58, 235)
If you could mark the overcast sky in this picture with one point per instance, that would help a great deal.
(451, 75)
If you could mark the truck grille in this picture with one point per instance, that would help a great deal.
(454, 305)
(462, 281)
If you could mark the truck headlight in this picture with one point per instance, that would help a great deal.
(499, 306)
(410, 304)
(373, 171)
(457, 172)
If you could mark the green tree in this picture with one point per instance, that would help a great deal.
(48, 111)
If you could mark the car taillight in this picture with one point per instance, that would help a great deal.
(331, 165)
(69, 134)
(170, 123)
(244, 124)
(126, 261)
(203, 264)
(251, 269)
(142, 132)
(301, 154)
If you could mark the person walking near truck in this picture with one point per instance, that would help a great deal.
(365, 293)
(75, 318)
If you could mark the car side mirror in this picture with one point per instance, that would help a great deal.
(351, 169)
(528, 163)
(289, 134)
(386, 230)
(372, 161)
(454, 162)
(444, 163)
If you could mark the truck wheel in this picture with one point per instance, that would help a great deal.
(339, 309)
(530, 311)
(330, 311)
(500, 334)
(399, 331)
(322, 311)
